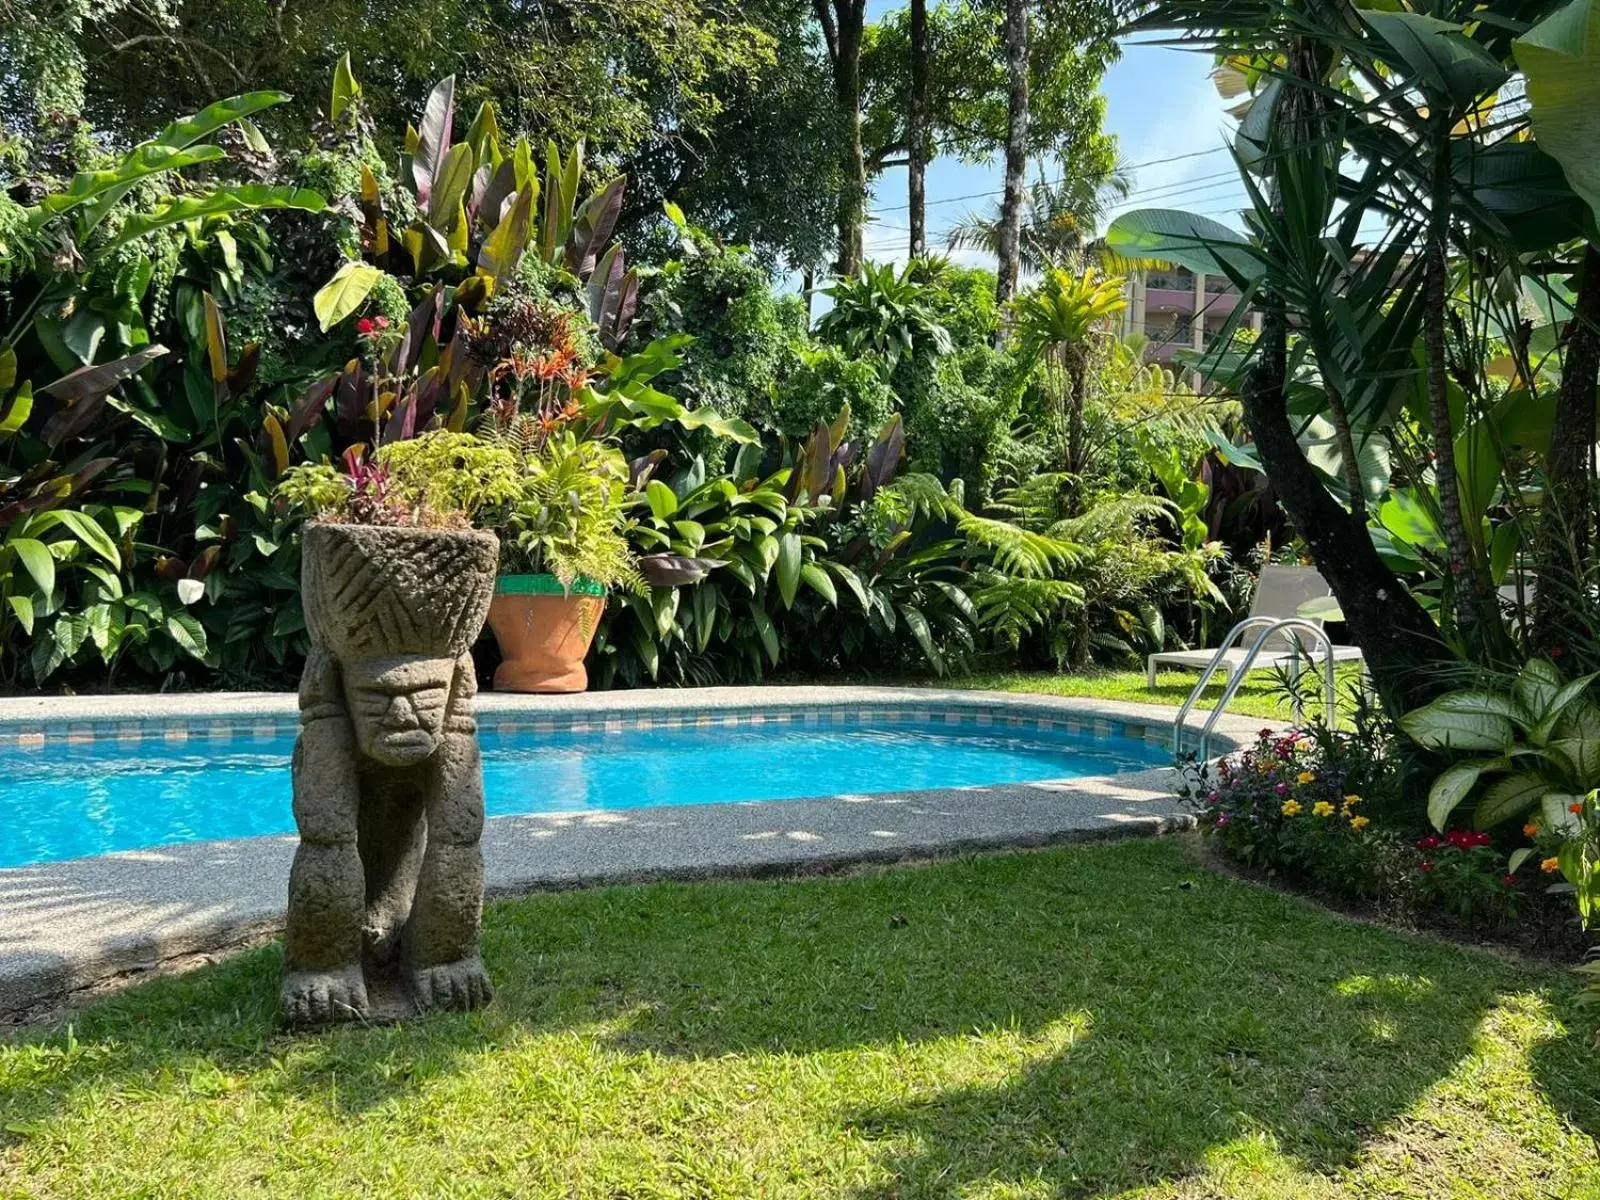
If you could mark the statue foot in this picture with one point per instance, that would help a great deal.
(462, 984)
(322, 997)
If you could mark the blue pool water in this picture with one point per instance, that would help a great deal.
(66, 801)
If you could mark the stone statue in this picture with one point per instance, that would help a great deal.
(387, 885)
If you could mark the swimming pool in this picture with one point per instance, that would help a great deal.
(131, 788)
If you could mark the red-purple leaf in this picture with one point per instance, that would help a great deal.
(98, 380)
(676, 570)
(433, 139)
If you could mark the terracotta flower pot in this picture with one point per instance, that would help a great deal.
(544, 632)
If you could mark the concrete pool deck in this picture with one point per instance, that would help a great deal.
(68, 925)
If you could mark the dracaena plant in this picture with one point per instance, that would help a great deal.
(1534, 745)
(481, 207)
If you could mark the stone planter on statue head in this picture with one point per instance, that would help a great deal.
(386, 893)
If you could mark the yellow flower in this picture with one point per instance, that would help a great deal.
(1530, 830)
(1291, 807)
(1351, 801)
(1359, 823)
(1307, 777)
(1303, 745)
(1550, 866)
(1322, 809)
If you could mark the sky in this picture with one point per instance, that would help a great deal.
(1169, 121)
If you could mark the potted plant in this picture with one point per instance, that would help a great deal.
(387, 883)
(563, 546)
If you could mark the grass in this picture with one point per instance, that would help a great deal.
(1097, 1021)
(1261, 695)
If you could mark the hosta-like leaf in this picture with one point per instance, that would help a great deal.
(662, 500)
(188, 633)
(1463, 721)
(1581, 757)
(1556, 711)
(90, 533)
(1536, 685)
(1509, 797)
(344, 293)
(23, 607)
(1453, 786)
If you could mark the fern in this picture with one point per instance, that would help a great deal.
(1011, 608)
(1018, 551)
(1120, 519)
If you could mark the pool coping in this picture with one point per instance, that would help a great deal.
(72, 924)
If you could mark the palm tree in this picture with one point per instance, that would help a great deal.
(1054, 323)
(1059, 220)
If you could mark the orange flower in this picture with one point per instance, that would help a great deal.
(1550, 866)
(1530, 830)
(1575, 807)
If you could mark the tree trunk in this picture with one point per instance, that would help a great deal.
(917, 168)
(843, 24)
(1395, 635)
(853, 196)
(1010, 247)
(1567, 515)
(1469, 588)
(1077, 367)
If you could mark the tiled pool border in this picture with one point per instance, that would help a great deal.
(67, 925)
(21, 735)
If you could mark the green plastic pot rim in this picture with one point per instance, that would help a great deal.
(545, 585)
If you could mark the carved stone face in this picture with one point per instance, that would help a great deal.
(398, 706)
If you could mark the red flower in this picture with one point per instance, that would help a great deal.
(1557, 651)
(1509, 880)
(1428, 843)
(1425, 865)
(364, 326)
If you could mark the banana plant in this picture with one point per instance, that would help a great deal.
(1535, 746)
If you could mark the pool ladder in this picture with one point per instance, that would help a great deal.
(1269, 626)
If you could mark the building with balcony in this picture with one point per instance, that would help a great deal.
(1179, 309)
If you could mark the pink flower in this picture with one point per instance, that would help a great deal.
(382, 322)
(1223, 820)
(1214, 797)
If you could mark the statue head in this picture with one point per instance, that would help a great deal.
(398, 705)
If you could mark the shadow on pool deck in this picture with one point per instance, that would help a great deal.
(1027, 1028)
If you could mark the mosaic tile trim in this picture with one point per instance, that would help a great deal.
(199, 730)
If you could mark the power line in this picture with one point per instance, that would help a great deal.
(997, 191)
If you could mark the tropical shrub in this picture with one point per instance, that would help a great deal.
(437, 480)
(567, 517)
(1534, 745)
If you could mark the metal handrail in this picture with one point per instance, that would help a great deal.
(1273, 625)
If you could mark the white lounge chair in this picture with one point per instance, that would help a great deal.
(1280, 592)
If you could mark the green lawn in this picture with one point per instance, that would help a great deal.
(1261, 695)
(1101, 1021)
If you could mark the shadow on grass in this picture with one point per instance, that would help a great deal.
(1149, 1012)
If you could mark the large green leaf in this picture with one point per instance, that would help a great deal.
(1560, 57)
(1446, 63)
(789, 554)
(92, 535)
(140, 163)
(502, 250)
(1509, 797)
(1452, 787)
(1187, 239)
(1463, 721)
(36, 560)
(218, 203)
(344, 293)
